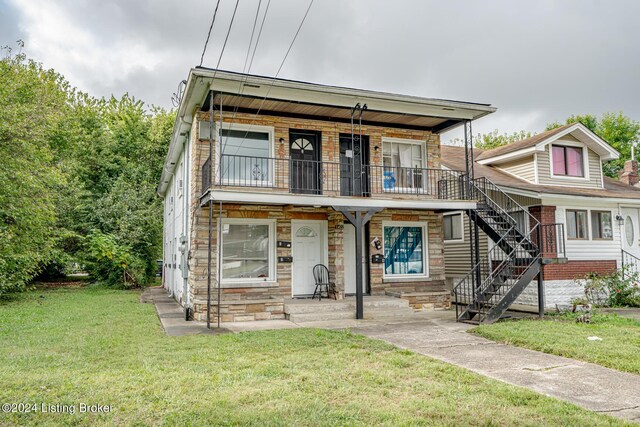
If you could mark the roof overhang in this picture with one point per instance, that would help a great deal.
(577, 130)
(280, 96)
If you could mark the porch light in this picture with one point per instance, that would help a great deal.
(620, 219)
(281, 141)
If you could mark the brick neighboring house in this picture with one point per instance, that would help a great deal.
(296, 172)
(591, 222)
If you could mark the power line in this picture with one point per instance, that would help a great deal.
(227, 37)
(215, 12)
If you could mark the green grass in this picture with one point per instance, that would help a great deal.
(563, 336)
(67, 346)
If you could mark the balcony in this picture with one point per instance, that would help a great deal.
(333, 179)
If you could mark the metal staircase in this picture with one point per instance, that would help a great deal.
(498, 278)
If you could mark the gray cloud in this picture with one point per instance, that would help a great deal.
(536, 61)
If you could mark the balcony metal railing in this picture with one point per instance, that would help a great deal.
(552, 244)
(333, 178)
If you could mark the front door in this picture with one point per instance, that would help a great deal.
(308, 249)
(350, 262)
(631, 231)
(305, 168)
(354, 165)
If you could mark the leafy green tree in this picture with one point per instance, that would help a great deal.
(618, 130)
(34, 107)
(495, 139)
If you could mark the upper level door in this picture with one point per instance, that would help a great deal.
(305, 167)
(354, 165)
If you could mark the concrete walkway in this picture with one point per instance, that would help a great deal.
(591, 386)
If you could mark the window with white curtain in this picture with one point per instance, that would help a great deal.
(403, 162)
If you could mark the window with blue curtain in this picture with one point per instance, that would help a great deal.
(403, 250)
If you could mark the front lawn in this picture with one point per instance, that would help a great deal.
(96, 346)
(563, 336)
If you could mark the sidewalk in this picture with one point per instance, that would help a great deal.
(587, 385)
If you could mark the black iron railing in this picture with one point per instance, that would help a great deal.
(334, 178)
(630, 264)
(206, 175)
(552, 244)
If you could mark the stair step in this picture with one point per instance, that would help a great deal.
(371, 313)
(328, 305)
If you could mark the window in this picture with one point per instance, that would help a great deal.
(403, 162)
(567, 161)
(405, 249)
(522, 220)
(247, 250)
(452, 224)
(245, 157)
(577, 224)
(601, 225)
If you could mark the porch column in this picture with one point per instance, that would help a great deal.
(358, 217)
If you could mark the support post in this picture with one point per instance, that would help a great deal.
(358, 217)
(209, 245)
(540, 280)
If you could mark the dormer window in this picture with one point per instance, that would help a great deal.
(567, 161)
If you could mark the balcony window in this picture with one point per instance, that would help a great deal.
(403, 163)
(452, 224)
(247, 250)
(567, 161)
(405, 250)
(245, 157)
(601, 225)
(577, 227)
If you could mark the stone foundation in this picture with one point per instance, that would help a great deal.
(425, 301)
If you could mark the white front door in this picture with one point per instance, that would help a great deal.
(631, 231)
(308, 248)
(350, 263)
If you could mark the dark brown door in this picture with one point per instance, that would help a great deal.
(305, 168)
(354, 165)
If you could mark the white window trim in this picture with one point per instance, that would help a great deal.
(566, 224)
(585, 160)
(272, 250)
(248, 128)
(425, 248)
(461, 239)
(423, 145)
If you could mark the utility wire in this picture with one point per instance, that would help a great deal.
(215, 12)
(227, 37)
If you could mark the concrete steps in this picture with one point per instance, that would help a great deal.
(375, 308)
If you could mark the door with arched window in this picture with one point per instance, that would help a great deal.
(305, 168)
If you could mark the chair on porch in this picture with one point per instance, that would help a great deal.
(321, 276)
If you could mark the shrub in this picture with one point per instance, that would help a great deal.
(617, 289)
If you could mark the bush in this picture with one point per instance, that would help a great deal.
(113, 263)
(618, 289)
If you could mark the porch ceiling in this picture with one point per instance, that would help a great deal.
(336, 113)
(268, 198)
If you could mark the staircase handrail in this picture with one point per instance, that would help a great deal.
(497, 189)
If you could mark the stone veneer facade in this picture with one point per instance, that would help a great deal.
(259, 300)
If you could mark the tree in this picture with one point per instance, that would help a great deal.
(494, 139)
(616, 129)
(34, 107)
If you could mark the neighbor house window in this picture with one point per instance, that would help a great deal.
(403, 162)
(577, 224)
(405, 249)
(245, 157)
(452, 224)
(567, 161)
(247, 250)
(601, 225)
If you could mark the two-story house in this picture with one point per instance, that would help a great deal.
(266, 178)
(589, 223)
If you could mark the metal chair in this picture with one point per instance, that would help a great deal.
(321, 276)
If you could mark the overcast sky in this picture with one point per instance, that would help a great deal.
(537, 61)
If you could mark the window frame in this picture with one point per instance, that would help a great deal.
(425, 249)
(423, 147)
(587, 219)
(230, 126)
(585, 160)
(453, 214)
(599, 212)
(271, 223)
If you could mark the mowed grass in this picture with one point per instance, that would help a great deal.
(563, 336)
(97, 346)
